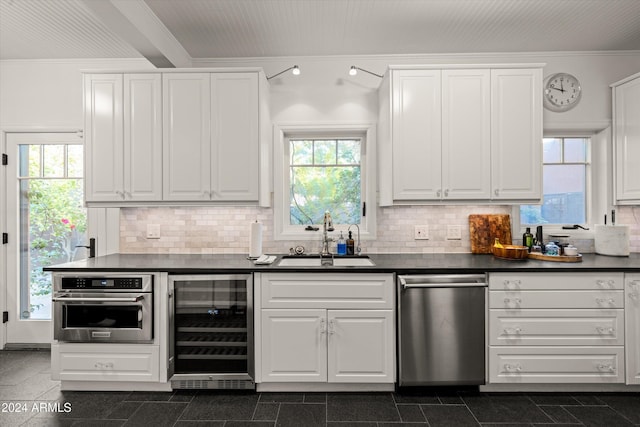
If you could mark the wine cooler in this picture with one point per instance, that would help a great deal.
(212, 331)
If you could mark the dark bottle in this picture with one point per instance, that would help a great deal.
(527, 239)
(350, 245)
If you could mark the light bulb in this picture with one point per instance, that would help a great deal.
(296, 70)
(353, 71)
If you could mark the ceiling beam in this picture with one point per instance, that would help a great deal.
(135, 23)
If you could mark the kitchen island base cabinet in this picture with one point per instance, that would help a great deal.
(341, 336)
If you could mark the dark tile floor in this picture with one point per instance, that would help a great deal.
(28, 397)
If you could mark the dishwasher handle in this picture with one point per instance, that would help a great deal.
(448, 281)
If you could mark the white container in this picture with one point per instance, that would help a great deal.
(612, 240)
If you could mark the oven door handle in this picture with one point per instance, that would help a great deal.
(107, 299)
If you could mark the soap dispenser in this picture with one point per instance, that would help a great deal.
(351, 244)
(342, 245)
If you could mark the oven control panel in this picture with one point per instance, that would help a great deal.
(110, 283)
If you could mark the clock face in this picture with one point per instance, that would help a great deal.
(562, 92)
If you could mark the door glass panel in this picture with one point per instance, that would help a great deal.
(52, 220)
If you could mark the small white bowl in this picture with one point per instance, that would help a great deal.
(571, 251)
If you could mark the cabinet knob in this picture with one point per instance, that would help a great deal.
(438, 193)
(446, 193)
(496, 192)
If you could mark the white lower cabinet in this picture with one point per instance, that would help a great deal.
(556, 328)
(342, 332)
(105, 362)
(632, 323)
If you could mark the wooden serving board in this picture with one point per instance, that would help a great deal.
(485, 228)
(555, 258)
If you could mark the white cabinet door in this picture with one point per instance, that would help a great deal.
(186, 136)
(361, 347)
(293, 345)
(516, 134)
(466, 137)
(142, 137)
(627, 140)
(234, 136)
(632, 325)
(417, 134)
(103, 137)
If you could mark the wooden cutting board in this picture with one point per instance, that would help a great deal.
(484, 228)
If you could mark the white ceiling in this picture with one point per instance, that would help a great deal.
(180, 31)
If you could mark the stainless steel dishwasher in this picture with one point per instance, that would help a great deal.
(441, 329)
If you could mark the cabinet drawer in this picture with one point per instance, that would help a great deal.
(553, 327)
(76, 364)
(556, 281)
(514, 300)
(556, 365)
(327, 290)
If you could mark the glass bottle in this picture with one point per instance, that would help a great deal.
(342, 245)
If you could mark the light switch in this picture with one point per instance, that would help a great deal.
(421, 232)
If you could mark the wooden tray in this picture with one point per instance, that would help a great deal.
(555, 258)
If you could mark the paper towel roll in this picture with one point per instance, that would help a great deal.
(255, 240)
(612, 240)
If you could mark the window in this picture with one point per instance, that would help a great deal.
(565, 184)
(322, 170)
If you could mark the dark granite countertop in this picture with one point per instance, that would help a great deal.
(400, 263)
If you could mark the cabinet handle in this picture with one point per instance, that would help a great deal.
(512, 284)
(515, 301)
(633, 295)
(446, 193)
(332, 327)
(608, 283)
(610, 301)
(438, 193)
(513, 331)
(606, 368)
(323, 326)
(512, 368)
(605, 330)
(496, 192)
(104, 365)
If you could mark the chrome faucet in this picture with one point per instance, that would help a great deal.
(328, 226)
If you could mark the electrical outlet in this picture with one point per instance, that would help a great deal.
(421, 232)
(153, 231)
(454, 232)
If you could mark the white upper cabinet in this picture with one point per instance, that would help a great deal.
(177, 136)
(516, 134)
(103, 138)
(187, 134)
(626, 134)
(211, 136)
(460, 134)
(123, 137)
(466, 137)
(416, 134)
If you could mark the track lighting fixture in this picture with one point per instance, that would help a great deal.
(354, 70)
(295, 71)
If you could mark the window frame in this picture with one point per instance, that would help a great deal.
(282, 134)
(597, 183)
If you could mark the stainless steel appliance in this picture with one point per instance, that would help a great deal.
(103, 307)
(211, 331)
(441, 329)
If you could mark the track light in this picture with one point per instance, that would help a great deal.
(354, 70)
(295, 71)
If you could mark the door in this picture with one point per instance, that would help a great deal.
(416, 134)
(361, 348)
(46, 221)
(186, 136)
(466, 137)
(516, 134)
(294, 345)
(234, 136)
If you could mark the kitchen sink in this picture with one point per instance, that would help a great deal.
(314, 261)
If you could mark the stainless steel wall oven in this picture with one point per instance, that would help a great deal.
(212, 331)
(103, 307)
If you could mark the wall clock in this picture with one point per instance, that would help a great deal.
(562, 92)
